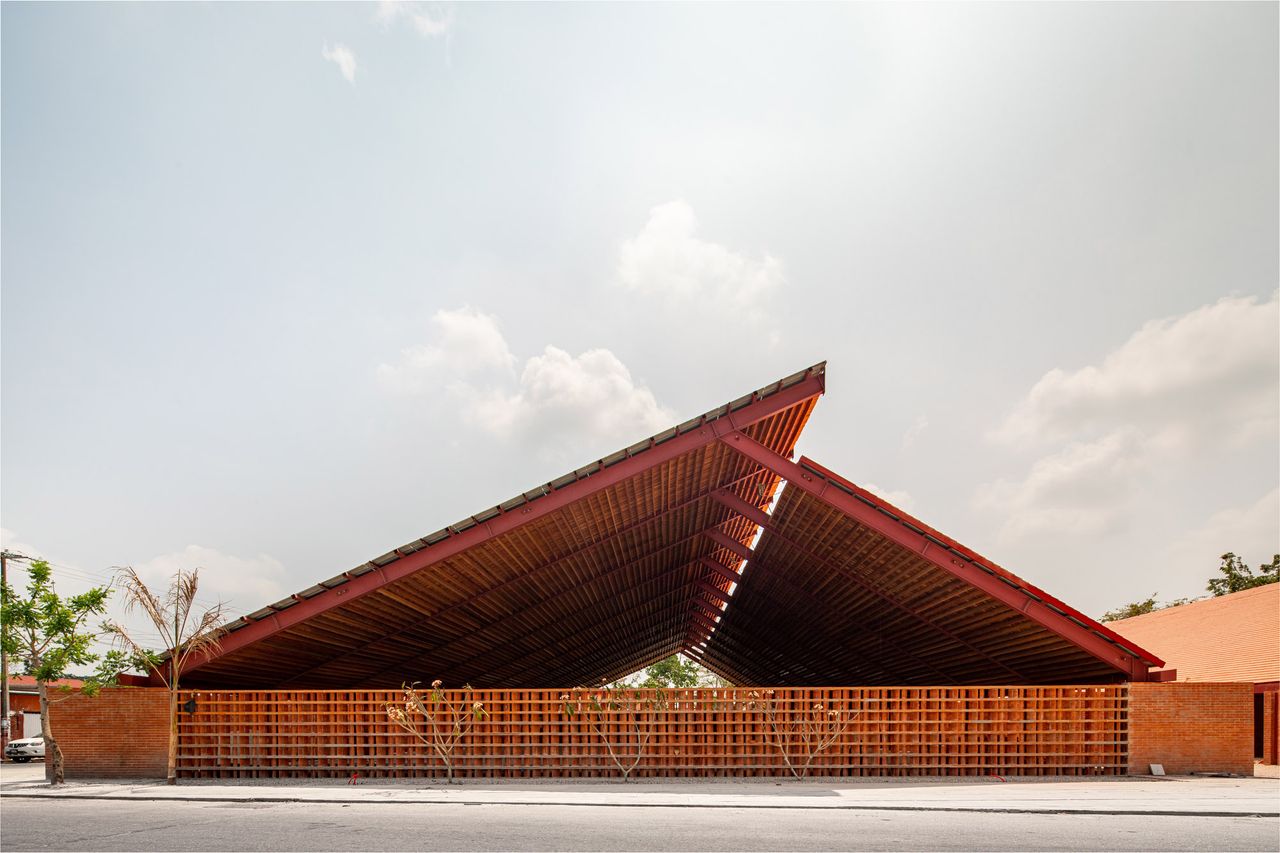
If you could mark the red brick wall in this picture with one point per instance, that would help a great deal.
(1190, 727)
(121, 733)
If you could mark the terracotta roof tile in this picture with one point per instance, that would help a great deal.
(1233, 637)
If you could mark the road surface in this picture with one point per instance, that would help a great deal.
(42, 824)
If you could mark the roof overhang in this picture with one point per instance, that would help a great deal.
(667, 546)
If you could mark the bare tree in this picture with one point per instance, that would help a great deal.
(807, 732)
(622, 717)
(181, 633)
(446, 723)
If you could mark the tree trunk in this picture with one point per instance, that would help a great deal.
(53, 773)
(171, 770)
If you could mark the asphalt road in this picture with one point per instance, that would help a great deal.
(30, 824)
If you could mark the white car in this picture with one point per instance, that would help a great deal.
(25, 749)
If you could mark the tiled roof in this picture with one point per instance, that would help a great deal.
(1233, 637)
(27, 683)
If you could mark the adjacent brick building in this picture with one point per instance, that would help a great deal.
(1231, 638)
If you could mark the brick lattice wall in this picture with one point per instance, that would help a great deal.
(897, 731)
(121, 733)
(1191, 727)
(1186, 727)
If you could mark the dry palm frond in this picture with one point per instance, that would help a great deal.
(172, 618)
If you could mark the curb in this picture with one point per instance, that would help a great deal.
(872, 808)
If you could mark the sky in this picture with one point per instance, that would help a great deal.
(285, 286)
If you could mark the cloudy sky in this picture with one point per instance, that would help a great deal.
(287, 285)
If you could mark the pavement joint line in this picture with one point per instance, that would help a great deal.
(873, 808)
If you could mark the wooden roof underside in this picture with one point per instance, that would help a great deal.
(633, 558)
(828, 601)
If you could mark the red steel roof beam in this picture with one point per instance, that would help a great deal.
(759, 517)
(964, 569)
(731, 422)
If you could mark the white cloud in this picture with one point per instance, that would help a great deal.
(1179, 387)
(1078, 491)
(422, 20)
(1211, 374)
(10, 542)
(556, 402)
(917, 428)
(667, 259)
(465, 342)
(1252, 532)
(562, 396)
(902, 500)
(342, 56)
(244, 584)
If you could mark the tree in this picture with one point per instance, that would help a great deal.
(447, 722)
(181, 636)
(623, 717)
(672, 671)
(1137, 608)
(806, 733)
(1237, 576)
(47, 633)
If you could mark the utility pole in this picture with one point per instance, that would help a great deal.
(5, 722)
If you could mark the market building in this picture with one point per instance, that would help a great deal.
(799, 588)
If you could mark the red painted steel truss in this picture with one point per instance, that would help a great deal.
(666, 546)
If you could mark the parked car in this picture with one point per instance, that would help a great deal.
(25, 749)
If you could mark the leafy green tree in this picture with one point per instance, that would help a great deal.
(1237, 576)
(1137, 608)
(47, 634)
(673, 671)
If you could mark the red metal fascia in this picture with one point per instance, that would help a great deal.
(975, 557)
(807, 388)
(966, 570)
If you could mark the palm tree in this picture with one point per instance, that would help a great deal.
(181, 635)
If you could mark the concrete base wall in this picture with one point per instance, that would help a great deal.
(1191, 727)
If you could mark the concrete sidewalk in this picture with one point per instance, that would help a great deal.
(1120, 796)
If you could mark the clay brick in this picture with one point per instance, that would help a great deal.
(122, 733)
(1191, 727)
